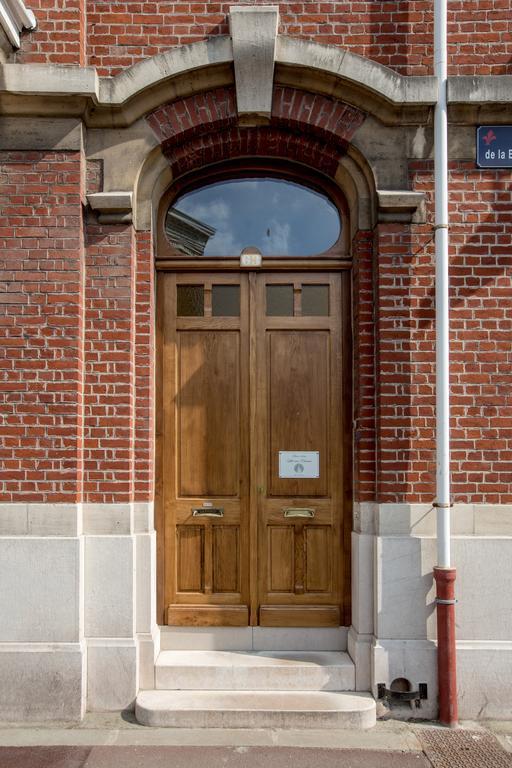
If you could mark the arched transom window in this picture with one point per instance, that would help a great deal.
(275, 217)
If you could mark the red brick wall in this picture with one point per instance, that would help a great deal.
(144, 368)
(481, 333)
(60, 37)
(41, 326)
(405, 363)
(109, 363)
(396, 33)
(364, 366)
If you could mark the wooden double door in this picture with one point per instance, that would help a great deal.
(253, 488)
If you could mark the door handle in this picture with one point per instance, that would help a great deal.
(298, 512)
(207, 512)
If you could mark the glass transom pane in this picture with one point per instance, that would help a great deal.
(276, 216)
(226, 301)
(280, 300)
(190, 301)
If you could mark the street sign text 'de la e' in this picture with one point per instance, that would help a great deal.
(494, 146)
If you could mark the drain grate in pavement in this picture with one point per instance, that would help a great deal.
(463, 749)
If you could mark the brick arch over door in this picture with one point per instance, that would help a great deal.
(306, 127)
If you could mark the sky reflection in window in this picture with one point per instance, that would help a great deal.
(279, 218)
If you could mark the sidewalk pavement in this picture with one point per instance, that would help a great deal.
(113, 740)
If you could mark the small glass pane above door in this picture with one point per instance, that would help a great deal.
(280, 300)
(315, 300)
(226, 301)
(276, 216)
(190, 301)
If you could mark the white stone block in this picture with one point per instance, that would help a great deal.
(54, 519)
(112, 679)
(13, 519)
(414, 660)
(143, 517)
(148, 649)
(254, 33)
(484, 672)
(109, 586)
(362, 583)
(206, 638)
(405, 592)
(360, 650)
(420, 519)
(40, 589)
(42, 683)
(298, 639)
(364, 514)
(255, 709)
(483, 587)
(255, 670)
(146, 582)
(493, 519)
(107, 519)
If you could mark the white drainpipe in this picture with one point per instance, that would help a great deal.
(444, 574)
(442, 284)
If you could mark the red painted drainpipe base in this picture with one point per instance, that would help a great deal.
(446, 649)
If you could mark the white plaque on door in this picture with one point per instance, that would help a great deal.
(299, 464)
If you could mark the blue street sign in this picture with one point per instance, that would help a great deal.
(494, 146)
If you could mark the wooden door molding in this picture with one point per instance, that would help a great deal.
(241, 380)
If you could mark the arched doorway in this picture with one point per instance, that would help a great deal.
(254, 393)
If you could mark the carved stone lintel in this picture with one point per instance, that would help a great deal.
(254, 33)
(401, 206)
(112, 207)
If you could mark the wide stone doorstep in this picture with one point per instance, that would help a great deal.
(264, 670)
(256, 709)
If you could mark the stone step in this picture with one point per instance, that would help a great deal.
(255, 709)
(243, 671)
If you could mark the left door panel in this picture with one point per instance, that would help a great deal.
(203, 448)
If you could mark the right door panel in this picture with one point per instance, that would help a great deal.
(298, 461)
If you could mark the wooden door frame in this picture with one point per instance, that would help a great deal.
(347, 446)
(338, 258)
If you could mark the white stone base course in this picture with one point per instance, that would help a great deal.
(78, 595)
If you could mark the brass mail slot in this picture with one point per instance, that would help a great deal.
(207, 512)
(298, 512)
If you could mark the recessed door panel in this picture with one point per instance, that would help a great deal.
(298, 400)
(226, 558)
(209, 430)
(190, 558)
(280, 558)
(317, 559)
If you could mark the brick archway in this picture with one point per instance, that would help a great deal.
(305, 127)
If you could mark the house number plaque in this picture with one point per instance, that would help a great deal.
(299, 464)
